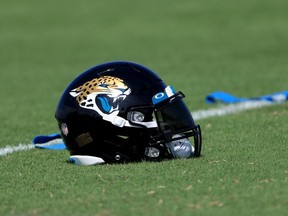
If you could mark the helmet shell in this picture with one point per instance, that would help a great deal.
(103, 91)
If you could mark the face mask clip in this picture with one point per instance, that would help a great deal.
(167, 135)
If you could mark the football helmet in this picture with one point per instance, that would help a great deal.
(123, 112)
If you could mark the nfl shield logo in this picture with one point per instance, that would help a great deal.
(64, 129)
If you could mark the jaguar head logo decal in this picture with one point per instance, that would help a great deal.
(103, 95)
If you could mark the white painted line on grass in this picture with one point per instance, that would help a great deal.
(11, 149)
(230, 109)
(197, 115)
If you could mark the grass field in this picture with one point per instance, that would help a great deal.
(198, 46)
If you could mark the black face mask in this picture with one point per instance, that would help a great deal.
(173, 119)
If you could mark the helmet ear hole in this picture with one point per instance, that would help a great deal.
(137, 116)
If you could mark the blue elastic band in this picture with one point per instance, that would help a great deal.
(42, 140)
(228, 98)
(60, 146)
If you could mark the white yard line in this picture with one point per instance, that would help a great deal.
(197, 115)
(11, 149)
(230, 109)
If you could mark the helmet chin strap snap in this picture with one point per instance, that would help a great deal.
(152, 152)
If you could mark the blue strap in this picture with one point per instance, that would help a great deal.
(228, 98)
(59, 146)
(46, 142)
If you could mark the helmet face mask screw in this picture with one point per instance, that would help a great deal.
(117, 157)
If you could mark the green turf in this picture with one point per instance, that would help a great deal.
(198, 46)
